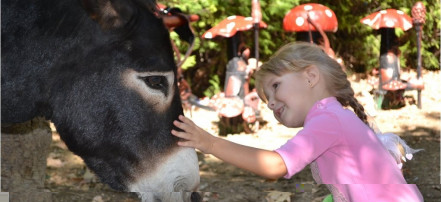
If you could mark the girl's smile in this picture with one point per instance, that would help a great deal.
(278, 112)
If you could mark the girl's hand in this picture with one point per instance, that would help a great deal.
(265, 163)
(193, 135)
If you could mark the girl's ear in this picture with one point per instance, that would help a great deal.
(312, 74)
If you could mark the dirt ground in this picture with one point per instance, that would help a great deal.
(70, 180)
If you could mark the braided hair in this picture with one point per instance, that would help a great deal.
(297, 56)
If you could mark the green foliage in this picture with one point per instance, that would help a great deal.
(214, 88)
(190, 62)
(355, 42)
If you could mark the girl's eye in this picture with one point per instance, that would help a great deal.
(275, 85)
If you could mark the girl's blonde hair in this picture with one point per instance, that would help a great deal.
(296, 57)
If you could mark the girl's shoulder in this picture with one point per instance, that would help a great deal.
(324, 126)
(329, 114)
(324, 120)
(323, 113)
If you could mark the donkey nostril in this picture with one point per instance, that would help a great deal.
(180, 184)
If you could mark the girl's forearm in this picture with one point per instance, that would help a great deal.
(265, 163)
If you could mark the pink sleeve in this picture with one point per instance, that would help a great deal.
(318, 135)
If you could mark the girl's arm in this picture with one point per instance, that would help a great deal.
(265, 163)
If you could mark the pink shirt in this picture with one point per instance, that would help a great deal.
(346, 154)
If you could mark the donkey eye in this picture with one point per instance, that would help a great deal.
(155, 82)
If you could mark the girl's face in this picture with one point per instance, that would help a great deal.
(289, 97)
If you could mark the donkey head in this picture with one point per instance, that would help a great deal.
(114, 104)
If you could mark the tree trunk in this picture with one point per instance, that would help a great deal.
(24, 149)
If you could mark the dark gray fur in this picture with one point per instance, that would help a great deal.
(62, 59)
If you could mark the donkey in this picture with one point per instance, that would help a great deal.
(103, 72)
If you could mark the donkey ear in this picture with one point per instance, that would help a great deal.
(109, 14)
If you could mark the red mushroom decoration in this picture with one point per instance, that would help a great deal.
(394, 85)
(386, 21)
(227, 106)
(230, 104)
(389, 79)
(295, 19)
(389, 18)
(229, 26)
(394, 97)
(175, 20)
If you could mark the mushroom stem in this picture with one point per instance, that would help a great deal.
(305, 37)
(256, 43)
(389, 57)
(418, 28)
(233, 45)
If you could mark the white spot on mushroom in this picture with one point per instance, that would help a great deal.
(312, 15)
(371, 22)
(366, 21)
(208, 35)
(231, 17)
(307, 7)
(390, 23)
(230, 26)
(328, 13)
(300, 21)
(407, 25)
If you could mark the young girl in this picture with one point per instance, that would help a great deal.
(306, 88)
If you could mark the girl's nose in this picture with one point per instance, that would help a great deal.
(271, 104)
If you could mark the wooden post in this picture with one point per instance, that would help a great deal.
(24, 150)
(419, 18)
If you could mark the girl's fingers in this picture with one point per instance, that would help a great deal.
(177, 123)
(185, 144)
(189, 133)
(182, 135)
(181, 118)
(185, 120)
(175, 133)
(181, 125)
